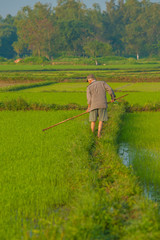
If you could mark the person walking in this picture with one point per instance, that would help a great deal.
(97, 101)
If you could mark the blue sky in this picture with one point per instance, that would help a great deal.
(13, 6)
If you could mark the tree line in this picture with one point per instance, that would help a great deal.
(125, 28)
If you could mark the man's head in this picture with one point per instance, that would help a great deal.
(90, 78)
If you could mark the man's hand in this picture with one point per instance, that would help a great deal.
(88, 109)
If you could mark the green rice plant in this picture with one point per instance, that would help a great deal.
(25, 76)
(66, 184)
(111, 72)
(62, 87)
(140, 124)
(69, 87)
(61, 98)
(139, 108)
(143, 87)
(113, 65)
(21, 104)
(75, 93)
(39, 172)
(142, 98)
(26, 86)
(113, 208)
(45, 100)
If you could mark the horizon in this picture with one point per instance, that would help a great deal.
(9, 7)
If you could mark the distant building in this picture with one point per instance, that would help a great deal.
(18, 60)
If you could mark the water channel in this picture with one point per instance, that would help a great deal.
(126, 153)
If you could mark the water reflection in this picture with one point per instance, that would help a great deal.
(127, 154)
(152, 192)
(124, 153)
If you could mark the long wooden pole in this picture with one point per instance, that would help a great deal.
(68, 119)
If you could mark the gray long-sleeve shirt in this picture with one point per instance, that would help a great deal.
(96, 94)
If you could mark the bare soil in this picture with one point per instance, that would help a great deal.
(12, 83)
(7, 84)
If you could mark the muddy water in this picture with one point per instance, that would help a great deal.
(126, 153)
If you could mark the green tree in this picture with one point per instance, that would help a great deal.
(21, 48)
(134, 39)
(70, 37)
(97, 49)
(35, 30)
(94, 22)
(126, 28)
(7, 36)
(151, 25)
(113, 25)
(142, 29)
(71, 28)
(70, 10)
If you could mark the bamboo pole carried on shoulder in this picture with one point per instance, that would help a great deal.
(68, 119)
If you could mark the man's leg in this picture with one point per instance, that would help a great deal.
(100, 125)
(93, 126)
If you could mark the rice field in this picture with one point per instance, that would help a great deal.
(70, 87)
(111, 71)
(46, 98)
(40, 172)
(58, 93)
(143, 87)
(143, 98)
(69, 93)
(65, 183)
(52, 185)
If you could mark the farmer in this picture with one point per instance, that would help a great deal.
(97, 102)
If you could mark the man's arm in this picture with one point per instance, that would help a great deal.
(110, 91)
(88, 109)
(88, 100)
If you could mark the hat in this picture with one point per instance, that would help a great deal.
(91, 76)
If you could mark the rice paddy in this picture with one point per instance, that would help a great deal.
(46, 98)
(65, 183)
(40, 171)
(140, 132)
(110, 71)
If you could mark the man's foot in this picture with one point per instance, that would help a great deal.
(99, 135)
